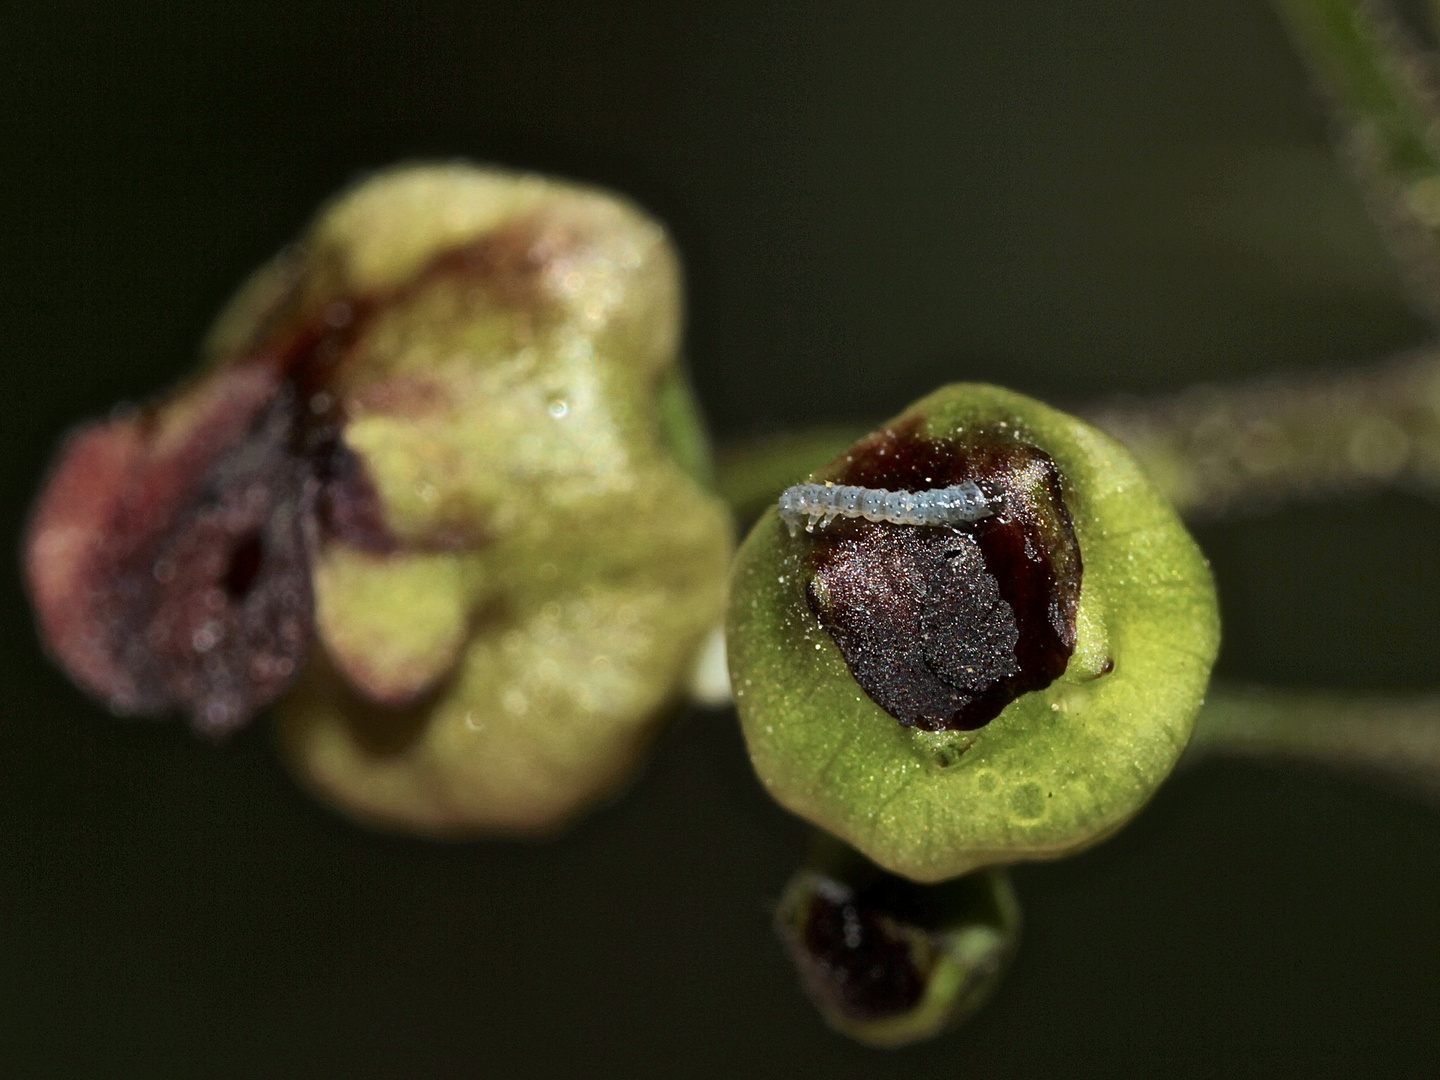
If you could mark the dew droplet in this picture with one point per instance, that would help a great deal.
(207, 637)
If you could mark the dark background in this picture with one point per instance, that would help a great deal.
(1076, 198)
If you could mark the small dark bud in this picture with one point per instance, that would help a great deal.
(889, 962)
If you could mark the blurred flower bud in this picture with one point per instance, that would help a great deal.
(447, 435)
(1004, 667)
(889, 962)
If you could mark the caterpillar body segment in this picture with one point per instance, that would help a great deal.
(817, 505)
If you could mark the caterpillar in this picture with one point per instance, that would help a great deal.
(822, 503)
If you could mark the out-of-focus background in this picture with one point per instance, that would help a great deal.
(1076, 198)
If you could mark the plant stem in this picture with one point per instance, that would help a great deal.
(1383, 88)
(1211, 449)
(1248, 446)
(1395, 738)
(753, 473)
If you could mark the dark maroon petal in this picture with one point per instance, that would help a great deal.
(166, 556)
(349, 508)
(229, 613)
(943, 627)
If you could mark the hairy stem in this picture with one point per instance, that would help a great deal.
(1211, 449)
(1394, 738)
(1253, 445)
(1383, 88)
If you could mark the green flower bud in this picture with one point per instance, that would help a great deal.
(951, 696)
(889, 962)
(449, 431)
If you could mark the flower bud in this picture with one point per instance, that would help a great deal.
(945, 693)
(889, 962)
(449, 436)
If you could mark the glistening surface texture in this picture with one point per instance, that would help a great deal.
(1069, 197)
(551, 565)
(1062, 766)
(945, 626)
